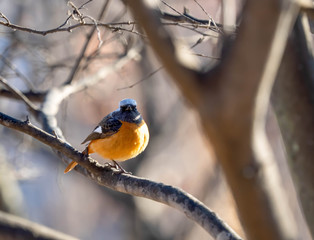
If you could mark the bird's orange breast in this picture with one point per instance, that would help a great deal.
(128, 142)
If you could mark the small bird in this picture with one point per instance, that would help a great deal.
(121, 135)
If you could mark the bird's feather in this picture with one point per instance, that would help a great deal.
(109, 126)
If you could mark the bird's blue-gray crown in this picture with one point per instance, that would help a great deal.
(127, 101)
(128, 111)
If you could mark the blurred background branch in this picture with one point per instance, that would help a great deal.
(13, 227)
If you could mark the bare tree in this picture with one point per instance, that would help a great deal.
(231, 96)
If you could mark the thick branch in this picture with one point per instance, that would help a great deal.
(293, 102)
(136, 186)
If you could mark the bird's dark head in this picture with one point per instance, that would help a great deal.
(127, 104)
(128, 111)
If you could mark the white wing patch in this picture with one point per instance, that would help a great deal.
(98, 129)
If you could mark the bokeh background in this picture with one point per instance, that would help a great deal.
(31, 176)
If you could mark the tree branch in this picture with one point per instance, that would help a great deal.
(103, 175)
(293, 102)
(114, 26)
(13, 227)
(33, 96)
(18, 94)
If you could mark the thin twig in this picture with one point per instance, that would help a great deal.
(178, 12)
(205, 56)
(17, 72)
(185, 17)
(142, 80)
(212, 22)
(111, 26)
(4, 17)
(194, 28)
(71, 15)
(19, 95)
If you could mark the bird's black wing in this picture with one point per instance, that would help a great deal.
(106, 128)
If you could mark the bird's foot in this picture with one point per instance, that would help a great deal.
(118, 168)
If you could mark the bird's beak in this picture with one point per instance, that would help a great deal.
(129, 108)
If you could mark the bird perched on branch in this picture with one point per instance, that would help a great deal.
(121, 135)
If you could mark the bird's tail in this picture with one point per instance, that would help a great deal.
(70, 166)
(73, 163)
